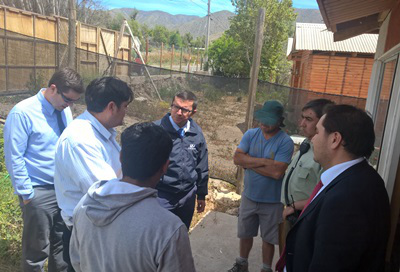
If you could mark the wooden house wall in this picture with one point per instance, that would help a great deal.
(340, 75)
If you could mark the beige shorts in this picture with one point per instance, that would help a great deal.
(254, 215)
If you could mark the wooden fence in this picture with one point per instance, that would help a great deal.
(34, 46)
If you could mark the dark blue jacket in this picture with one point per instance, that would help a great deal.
(188, 161)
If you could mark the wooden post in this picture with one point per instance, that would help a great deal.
(253, 84)
(201, 61)
(113, 69)
(6, 50)
(190, 56)
(162, 47)
(71, 33)
(180, 61)
(197, 60)
(57, 59)
(172, 56)
(147, 49)
(34, 48)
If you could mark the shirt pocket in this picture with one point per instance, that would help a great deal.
(303, 173)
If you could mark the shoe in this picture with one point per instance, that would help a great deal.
(269, 270)
(239, 268)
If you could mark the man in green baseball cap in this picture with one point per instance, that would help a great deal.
(270, 114)
(265, 153)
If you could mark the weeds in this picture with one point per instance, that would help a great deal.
(10, 219)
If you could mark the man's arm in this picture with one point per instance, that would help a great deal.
(276, 170)
(202, 180)
(340, 234)
(299, 205)
(262, 166)
(243, 159)
(16, 136)
(85, 163)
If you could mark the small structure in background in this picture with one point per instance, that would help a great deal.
(325, 66)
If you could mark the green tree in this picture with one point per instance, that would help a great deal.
(160, 34)
(279, 18)
(187, 40)
(199, 42)
(224, 63)
(116, 22)
(175, 39)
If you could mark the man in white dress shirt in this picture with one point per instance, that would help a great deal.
(87, 150)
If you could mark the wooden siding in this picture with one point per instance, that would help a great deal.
(339, 75)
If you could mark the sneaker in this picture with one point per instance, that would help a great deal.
(239, 268)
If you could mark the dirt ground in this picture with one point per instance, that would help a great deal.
(220, 121)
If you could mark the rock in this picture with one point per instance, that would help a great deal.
(141, 99)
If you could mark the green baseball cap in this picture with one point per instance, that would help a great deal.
(270, 114)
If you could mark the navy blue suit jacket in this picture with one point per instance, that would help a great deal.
(345, 228)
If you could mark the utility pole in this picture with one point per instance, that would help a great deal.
(208, 31)
(71, 33)
(255, 68)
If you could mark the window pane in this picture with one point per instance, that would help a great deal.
(382, 109)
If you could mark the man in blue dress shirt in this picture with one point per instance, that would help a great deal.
(31, 132)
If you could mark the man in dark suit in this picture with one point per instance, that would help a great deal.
(345, 225)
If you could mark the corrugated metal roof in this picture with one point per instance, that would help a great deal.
(317, 37)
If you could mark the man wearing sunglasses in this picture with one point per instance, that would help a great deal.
(31, 132)
(187, 174)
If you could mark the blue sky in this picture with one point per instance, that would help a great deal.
(188, 7)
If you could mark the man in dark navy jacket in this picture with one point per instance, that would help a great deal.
(187, 174)
(345, 227)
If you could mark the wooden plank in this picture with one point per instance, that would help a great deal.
(46, 29)
(19, 23)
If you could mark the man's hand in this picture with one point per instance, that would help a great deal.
(26, 201)
(201, 204)
(287, 211)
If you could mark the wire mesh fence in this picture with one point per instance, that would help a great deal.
(26, 64)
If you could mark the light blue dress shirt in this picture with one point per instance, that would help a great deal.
(30, 136)
(86, 152)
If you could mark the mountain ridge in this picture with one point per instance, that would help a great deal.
(196, 25)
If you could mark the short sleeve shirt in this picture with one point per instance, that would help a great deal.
(280, 147)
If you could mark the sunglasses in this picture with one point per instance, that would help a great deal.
(66, 99)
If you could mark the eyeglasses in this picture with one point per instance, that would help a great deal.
(66, 99)
(177, 108)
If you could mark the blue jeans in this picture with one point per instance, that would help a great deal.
(181, 206)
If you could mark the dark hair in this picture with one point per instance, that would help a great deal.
(104, 90)
(66, 79)
(145, 149)
(355, 126)
(319, 106)
(187, 95)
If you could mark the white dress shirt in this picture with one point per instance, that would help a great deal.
(329, 175)
(86, 152)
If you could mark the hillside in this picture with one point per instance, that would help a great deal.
(197, 25)
(308, 16)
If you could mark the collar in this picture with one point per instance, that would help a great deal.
(46, 104)
(329, 175)
(107, 133)
(176, 127)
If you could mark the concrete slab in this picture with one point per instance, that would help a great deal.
(215, 244)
